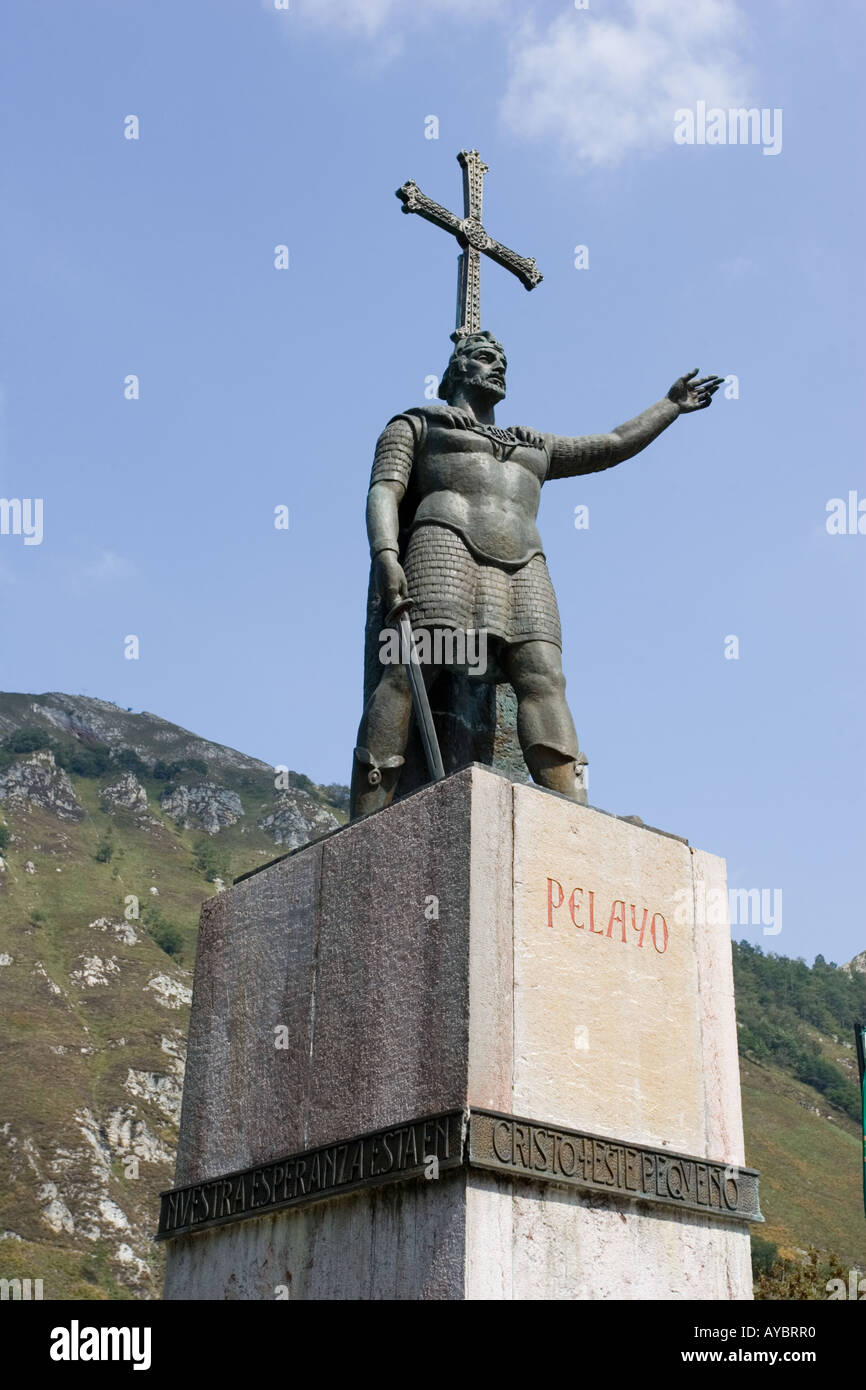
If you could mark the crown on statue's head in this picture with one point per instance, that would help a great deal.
(464, 342)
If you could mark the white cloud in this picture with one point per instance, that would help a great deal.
(604, 88)
(600, 83)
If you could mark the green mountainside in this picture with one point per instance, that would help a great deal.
(113, 828)
(801, 1102)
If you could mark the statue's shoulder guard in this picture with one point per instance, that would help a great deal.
(420, 417)
(404, 437)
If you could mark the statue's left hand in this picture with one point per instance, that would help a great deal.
(528, 436)
(689, 394)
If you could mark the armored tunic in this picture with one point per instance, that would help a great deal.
(469, 544)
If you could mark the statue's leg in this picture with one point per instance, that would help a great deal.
(381, 745)
(544, 723)
(382, 738)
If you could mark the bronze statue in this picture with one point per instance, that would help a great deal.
(451, 515)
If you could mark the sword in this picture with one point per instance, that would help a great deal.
(420, 701)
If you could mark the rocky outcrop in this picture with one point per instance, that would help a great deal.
(296, 820)
(858, 964)
(206, 805)
(38, 781)
(99, 721)
(126, 792)
(95, 998)
(169, 992)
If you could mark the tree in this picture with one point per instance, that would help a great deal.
(168, 937)
(336, 795)
(84, 760)
(165, 933)
(27, 741)
(128, 761)
(780, 1002)
(788, 1279)
(210, 860)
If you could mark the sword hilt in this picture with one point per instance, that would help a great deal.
(401, 607)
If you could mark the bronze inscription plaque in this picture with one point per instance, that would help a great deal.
(423, 1149)
(549, 1153)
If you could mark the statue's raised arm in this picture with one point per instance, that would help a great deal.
(591, 453)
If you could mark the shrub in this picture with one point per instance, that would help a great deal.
(168, 937)
(210, 860)
(129, 761)
(90, 762)
(788, 1279)
(764, 1255)
(336, 795)
(165, 933)
(166, 772)
(84, 760)
(27, 741)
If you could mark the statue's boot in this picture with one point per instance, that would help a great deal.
(558, 771)
(373, 782)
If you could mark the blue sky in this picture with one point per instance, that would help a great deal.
(260, 387)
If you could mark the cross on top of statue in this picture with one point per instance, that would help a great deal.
(472, 237)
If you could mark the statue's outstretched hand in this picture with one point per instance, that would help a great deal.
(689, 394)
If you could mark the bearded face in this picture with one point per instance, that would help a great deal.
(478, 363)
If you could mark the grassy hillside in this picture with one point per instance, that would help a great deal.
(809, 1157)
(99, 906)
(801, 1103)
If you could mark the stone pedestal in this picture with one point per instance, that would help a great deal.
(525, 1006)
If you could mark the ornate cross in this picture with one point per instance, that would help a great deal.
(473, 239)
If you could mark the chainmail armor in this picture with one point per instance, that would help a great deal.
(450, 588)
(588, 453)
(395, 451)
